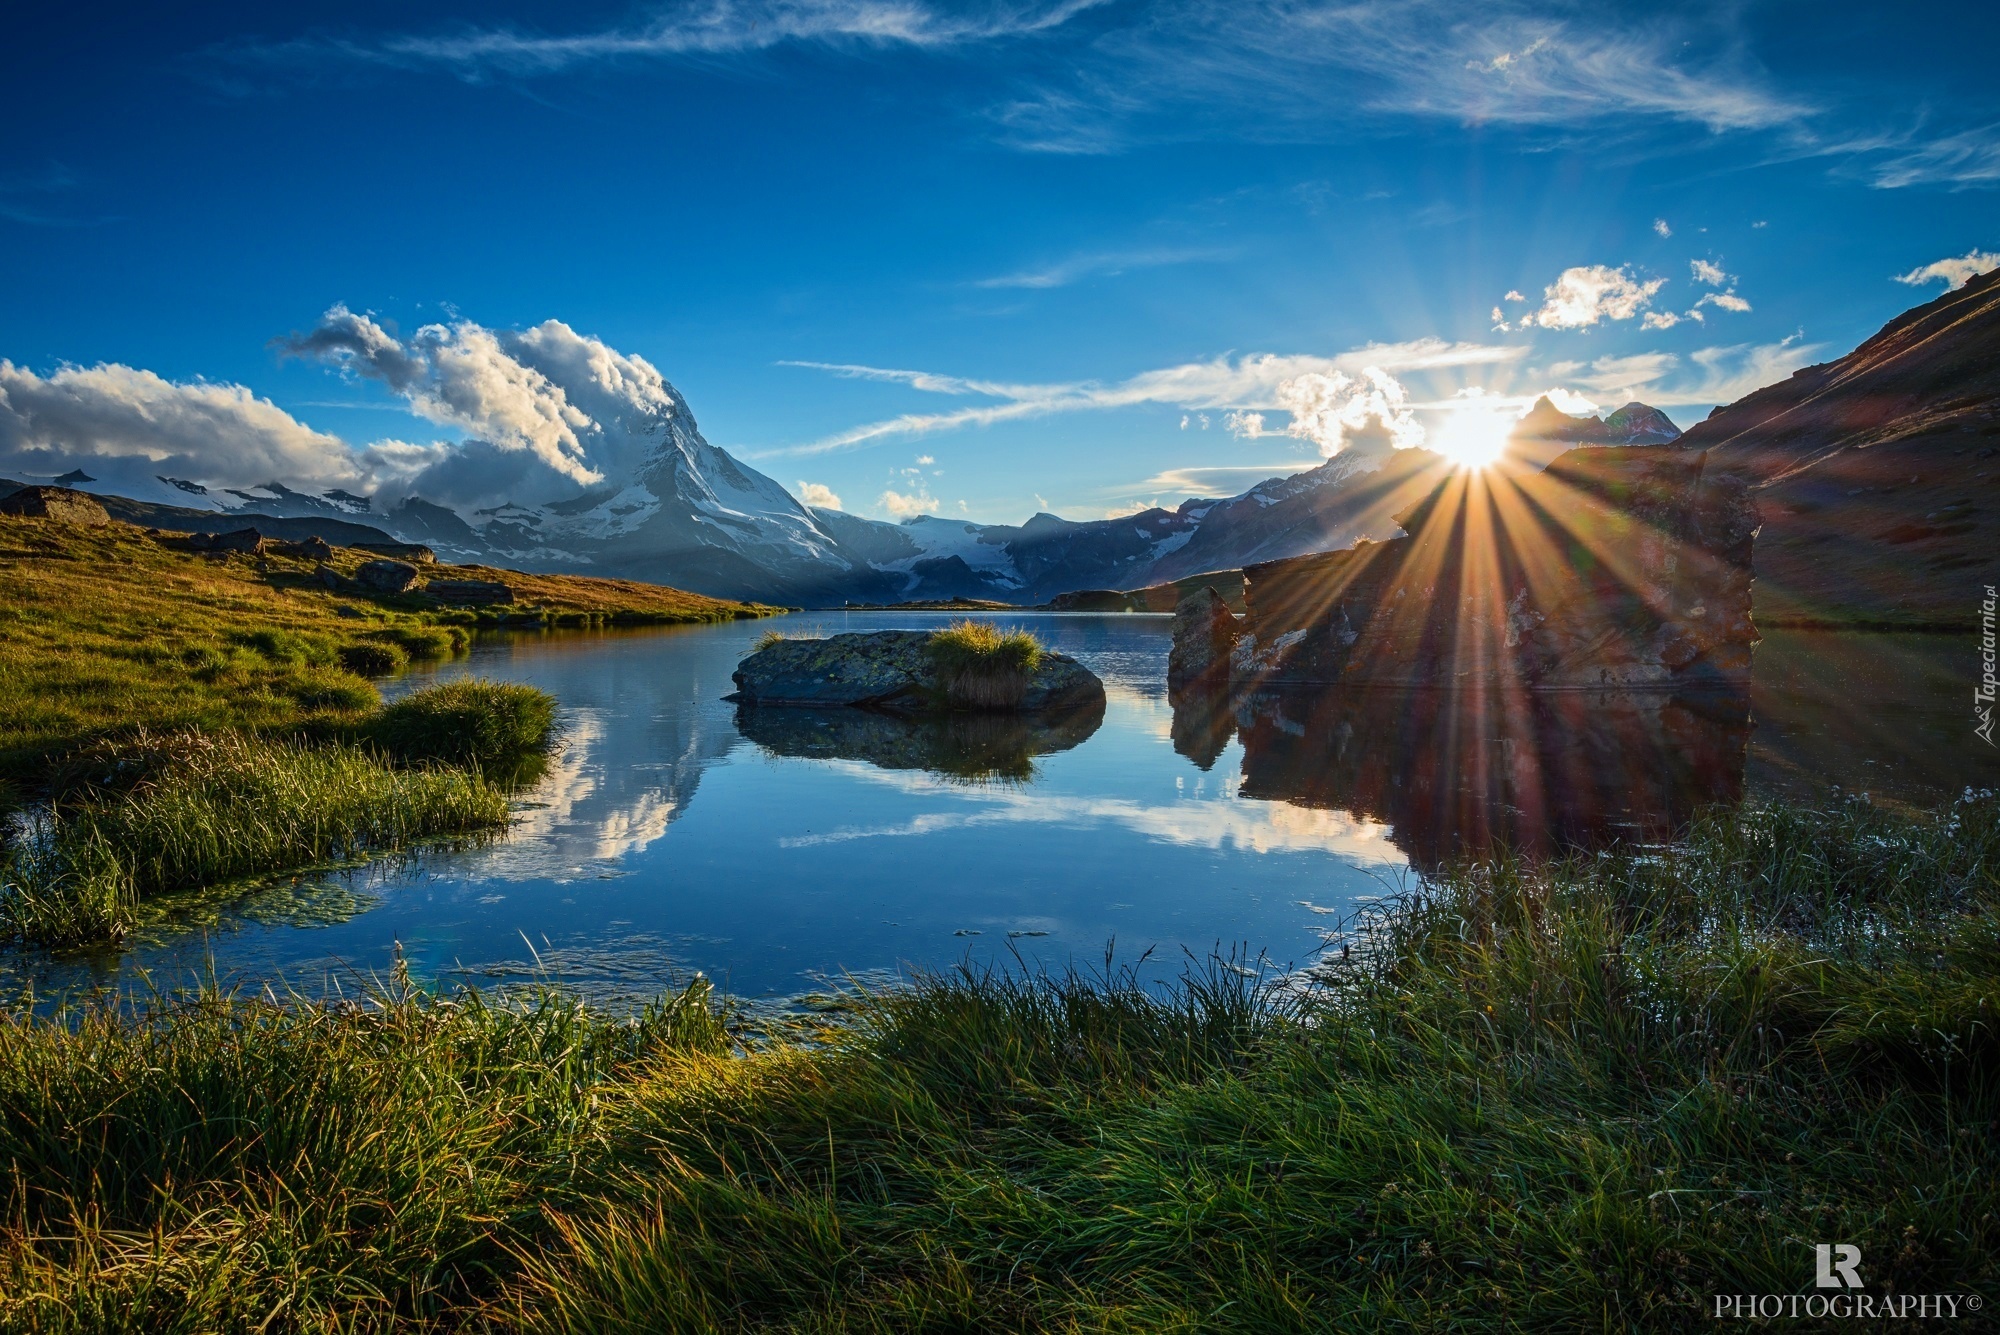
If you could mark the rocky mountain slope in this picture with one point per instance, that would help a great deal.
(1875, 474)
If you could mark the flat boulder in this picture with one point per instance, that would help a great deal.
(61, 504)
(891, 670)
(386, 576)
(414, 552)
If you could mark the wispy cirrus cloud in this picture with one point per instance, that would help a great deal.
(1963, 160)
(1104, 264)
(1720, 374)
(711, 28)
(1285, 70)
(1251, 383)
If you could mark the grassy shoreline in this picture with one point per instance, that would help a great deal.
(1587, 1094)
(105, 632)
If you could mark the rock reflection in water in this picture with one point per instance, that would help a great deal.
(970, 747)
(1470, 771)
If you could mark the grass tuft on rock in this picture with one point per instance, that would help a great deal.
(978, 665)
(470, 721)
(201, 810)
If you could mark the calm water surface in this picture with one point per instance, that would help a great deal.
(777, 850)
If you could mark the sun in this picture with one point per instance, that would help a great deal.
(1473, 434)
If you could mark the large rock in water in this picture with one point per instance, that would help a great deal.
(1204, 634)
(890, 669)
(58, 503)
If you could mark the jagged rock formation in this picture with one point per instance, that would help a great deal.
(1875, 473)
(1615, 568)
(57, 503)
(1547, 431)
(1205, 632)
(891, 670)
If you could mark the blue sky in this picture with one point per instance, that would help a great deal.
(1036, 244)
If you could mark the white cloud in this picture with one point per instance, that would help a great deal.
(1246, 383)
(1226, 480)
(1512, 295)
(1660, 320)
(692, 31)
(1660, 226)
(1711, 274)
(925, 460)
(1728, 301)
(1292, 70)
(1723, 374)
(116, 418)
(902, 505)
(1968, 158)
(819, 496)
(1955, 272)
(1064, 272)
(1583, 295)
(1246, 425)
(1370, 412)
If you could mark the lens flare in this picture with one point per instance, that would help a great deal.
(1473, 434)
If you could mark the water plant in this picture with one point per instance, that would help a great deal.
(978, 665)
(200, 809)
(467, 721)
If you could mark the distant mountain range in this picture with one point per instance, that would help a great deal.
(693, 516)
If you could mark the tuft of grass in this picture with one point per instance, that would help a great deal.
(373, 658)
(209, 809)
(977, 665)
(468, 721)
(1586, 1094)
(424, 643)
(771, 637)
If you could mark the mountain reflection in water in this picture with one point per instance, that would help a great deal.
(1458, 772)
(779, 848)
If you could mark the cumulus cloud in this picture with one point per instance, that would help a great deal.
(1711, 274)
(819, 496)
(1250, 383)
(488, 383)
(1660, 227)
(901, 505)
(1955, 272)
(1369, 413)
(1660, 320)
(105, 416)
(1583, 295)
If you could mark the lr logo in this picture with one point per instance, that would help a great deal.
(1839, 1265)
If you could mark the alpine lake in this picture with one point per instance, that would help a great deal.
(787, 852)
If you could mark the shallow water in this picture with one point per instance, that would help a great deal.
(778, 851)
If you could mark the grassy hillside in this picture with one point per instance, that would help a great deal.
(106, 630)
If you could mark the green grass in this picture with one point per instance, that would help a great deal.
(1585, 1095)
(105, 632)
(979, 666)
(468, 722)
(208, 809)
